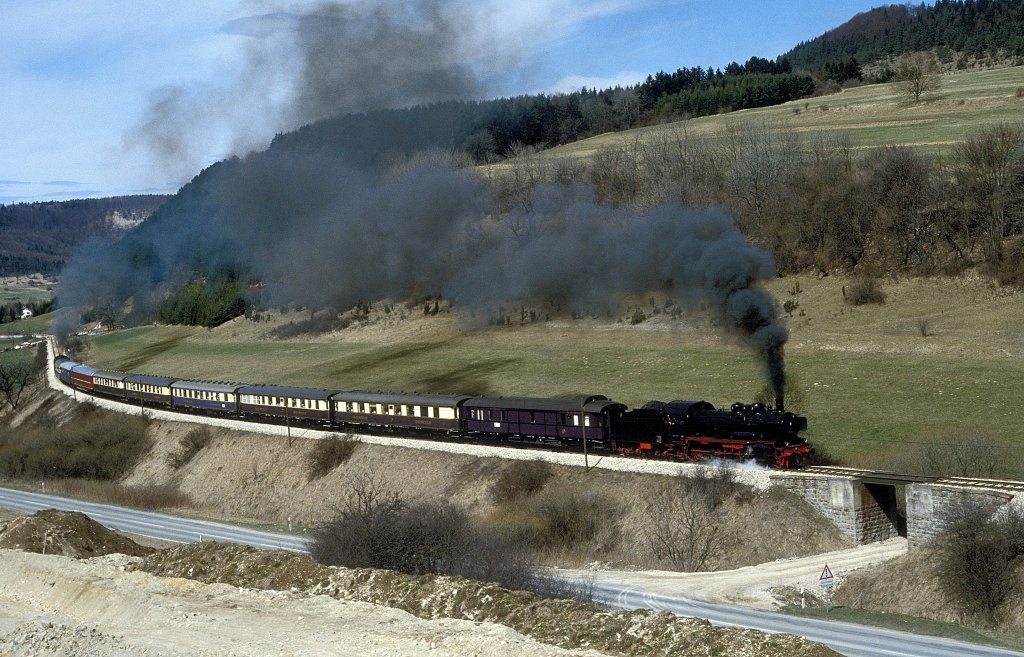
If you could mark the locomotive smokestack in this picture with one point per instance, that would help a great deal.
(778, 404)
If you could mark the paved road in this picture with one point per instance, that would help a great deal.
(850, 640)
(155, 525)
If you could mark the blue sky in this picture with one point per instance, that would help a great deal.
(78, 78)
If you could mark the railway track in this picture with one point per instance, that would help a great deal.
(896, 478)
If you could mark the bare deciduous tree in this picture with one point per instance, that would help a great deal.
(962, 454)
(14, 378)
(989, 174)
(918, 74)
(681, 526)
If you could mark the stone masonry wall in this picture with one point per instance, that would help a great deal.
(849, 505)
(845, 502)
(927, 502)
(832, 497)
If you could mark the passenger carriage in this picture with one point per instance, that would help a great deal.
(206, 396)
(552, 421)
(82, 377)
(110, 383)
(434, 412)
(147, 388)
(285, 403)
(63, 369)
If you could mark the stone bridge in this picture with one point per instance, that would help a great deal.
(871, 506)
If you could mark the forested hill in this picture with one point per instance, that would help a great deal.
(40, 237)
(958, 30)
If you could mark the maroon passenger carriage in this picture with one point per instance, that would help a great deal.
(543, 420)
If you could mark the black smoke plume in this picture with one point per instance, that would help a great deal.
(327, 222)
(332, 59)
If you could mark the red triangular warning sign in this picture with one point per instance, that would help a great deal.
(826, 574)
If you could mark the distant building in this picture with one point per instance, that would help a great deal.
(26, 313)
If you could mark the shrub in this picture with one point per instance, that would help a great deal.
(520, 479)
(190, 445)
(376, 528)
(717, 484)
(1009, 269)
(329, 453)
(863, 291)
(138, 497)
(682, 527)
(977, 549)
(97, 445)
(563, 518)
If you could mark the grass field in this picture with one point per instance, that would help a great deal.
(871, 383)
(868, 116)
(939, 360)
(26, 289)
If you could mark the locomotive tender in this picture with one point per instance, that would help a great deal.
(679, 430)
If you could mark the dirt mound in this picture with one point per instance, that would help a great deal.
(237, 565)
(69, 533)
(562, 623)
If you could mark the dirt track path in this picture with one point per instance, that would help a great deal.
(749, 586)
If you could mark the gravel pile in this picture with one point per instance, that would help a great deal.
(36, 639)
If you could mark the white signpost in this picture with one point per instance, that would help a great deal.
(826, 580)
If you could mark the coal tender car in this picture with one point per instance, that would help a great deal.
(678, 430)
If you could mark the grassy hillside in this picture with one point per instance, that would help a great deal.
(939, 360)
(869, 116)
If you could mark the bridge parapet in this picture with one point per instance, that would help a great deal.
(869, 506)
(928, 503)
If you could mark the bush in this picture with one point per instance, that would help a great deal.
(717, 485)
(1009, 270)
(959, 453)
(682, 527)
(977, 550)
(137, 497)
(96, 445)
(376, 528)
(190, 445)
(561, 518)
(328, 454)
(863, 291)
(520, 479)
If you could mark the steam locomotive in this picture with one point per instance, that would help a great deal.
(678, 430)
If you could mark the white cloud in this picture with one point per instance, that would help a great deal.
(572, 83)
